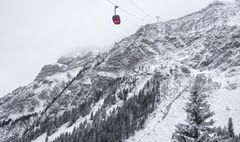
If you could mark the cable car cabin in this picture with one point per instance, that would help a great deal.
(116, 19)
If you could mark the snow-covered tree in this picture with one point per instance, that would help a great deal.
(46, 140)
(230, 128)
(199, 125)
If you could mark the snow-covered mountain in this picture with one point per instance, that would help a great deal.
(137, 90)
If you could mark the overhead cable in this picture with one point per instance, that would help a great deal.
(127, 12)
(140, 9)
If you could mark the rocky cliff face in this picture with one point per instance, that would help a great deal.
(162, 61)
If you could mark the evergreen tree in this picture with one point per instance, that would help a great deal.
(199, 124)
(91, 116)
(230, 128)
(46, 140)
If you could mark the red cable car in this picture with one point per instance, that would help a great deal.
(116, 18)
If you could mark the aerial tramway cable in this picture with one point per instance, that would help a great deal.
(127, 12)
(140, 9)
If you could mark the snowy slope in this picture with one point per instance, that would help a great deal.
(224, 96)
(224, 102)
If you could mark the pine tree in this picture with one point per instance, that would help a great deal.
(46, 140)
(230, 128)
(199, 124)
(91, 116)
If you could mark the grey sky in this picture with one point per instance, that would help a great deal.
(37, 32)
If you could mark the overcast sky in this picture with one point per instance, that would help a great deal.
(37, 32)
